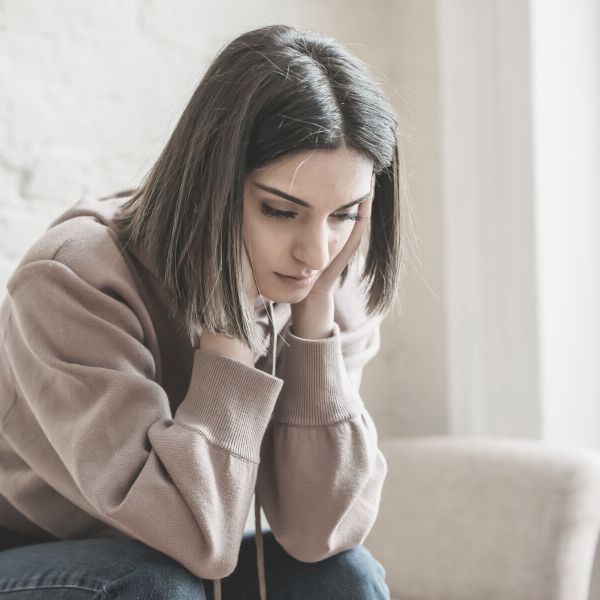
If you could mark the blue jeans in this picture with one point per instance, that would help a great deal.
(125, 568)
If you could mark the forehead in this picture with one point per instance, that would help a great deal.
(342, 167)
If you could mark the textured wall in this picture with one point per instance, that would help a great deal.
(90, 91)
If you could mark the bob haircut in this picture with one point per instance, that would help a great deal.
(271, 91)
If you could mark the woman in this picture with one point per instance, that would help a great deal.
(146, 397)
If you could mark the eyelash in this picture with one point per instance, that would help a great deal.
(274, 213)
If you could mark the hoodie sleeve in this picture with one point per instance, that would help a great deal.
(321, 473)
(181, 483)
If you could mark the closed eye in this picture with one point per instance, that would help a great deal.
(267, 210)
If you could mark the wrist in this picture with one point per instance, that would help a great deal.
(313, 319)
(230, 347)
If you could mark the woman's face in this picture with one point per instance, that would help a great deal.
(298, 214)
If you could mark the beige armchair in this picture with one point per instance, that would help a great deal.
(487, 518)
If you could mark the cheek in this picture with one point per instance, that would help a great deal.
(252, 229)
(265, 241)
(268, 241)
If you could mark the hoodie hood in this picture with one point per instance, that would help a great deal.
(104, 210)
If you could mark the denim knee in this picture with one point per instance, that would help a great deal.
(95, 569)
(158, 577)
(164, 583)
(353, 575)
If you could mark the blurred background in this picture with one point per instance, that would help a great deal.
(499, 332)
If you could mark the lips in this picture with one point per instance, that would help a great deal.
(298, 277)
(295, 281)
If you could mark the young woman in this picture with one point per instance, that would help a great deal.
(172, 350)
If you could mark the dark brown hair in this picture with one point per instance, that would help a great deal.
(270, 91)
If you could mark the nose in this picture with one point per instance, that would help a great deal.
(312, 248)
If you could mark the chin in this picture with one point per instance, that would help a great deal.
(290, 298)
(295, 297)
(285, 297)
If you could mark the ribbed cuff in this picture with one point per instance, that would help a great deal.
(316, 388)
(229, 402)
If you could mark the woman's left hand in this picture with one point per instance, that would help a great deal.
(324, 287)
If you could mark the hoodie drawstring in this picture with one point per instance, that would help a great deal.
(260, 558)
(258, 537)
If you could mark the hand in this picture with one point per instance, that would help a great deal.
(313, 317)
(323, 288)
(249, 281)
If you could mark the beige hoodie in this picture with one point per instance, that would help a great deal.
(112, 424)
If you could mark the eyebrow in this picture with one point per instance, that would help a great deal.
(302, 202)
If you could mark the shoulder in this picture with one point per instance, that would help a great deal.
(77, 273)
(84, 245)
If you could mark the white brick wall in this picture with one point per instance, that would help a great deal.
(89, 91)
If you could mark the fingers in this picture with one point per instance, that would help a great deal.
(364, 211)
(353, 241)
(364, 208)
